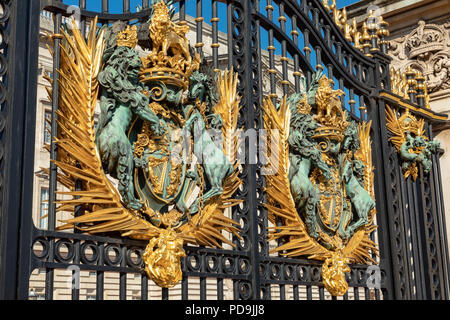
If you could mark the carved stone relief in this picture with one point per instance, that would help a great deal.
(426, 49)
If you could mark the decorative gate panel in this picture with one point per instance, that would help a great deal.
(275, 49)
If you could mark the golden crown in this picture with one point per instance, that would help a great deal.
(170, 60)
(330, 116)
(127, 37)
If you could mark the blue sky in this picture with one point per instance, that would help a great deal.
(115, 6)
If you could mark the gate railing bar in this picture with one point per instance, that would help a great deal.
(442, 223)
(271, 49)
(199, 28)
(182, 10)
(49, 276)
(144, 287)
(230, 34)
(19, 27)
(284, 59)
(100, 276)
(105, 6)
(295, 34)
(123, 276)
(418, 234)
(126, 6)
(215, 36)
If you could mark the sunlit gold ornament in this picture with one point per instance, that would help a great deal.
(79, 160)
(170, 60)
(329, 115)
(162, 258)
(333, 274)
(405, 127)
(282, 207)
(127, 37)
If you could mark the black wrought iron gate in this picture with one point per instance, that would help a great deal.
(277, 40)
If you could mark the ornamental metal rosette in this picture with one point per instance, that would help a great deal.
(155, 112)
(321, 200)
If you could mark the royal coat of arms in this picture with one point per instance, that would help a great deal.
(174, 180)
(413, 146)
(320, 200)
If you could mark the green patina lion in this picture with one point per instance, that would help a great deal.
(121, 100)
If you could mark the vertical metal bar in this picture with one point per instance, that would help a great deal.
(82, 5)
(184, 287)
(219, 289)
(123, 286)
(352, 101)
(319, 58)
(229, 35)
(330, 71)
(271, 49)
(356, 293)
(282, 292)
(199, 27)
(49, 276)
(308, 292)
(442, 223)
(385, 180)
(417, 234)
(321, 293)
(362, 108)
(296, 72)
(182, 10)
(123, 275)
(165, 293)
(105, 6)
(202, 288)
(145, 4)
(75, 276)
(20, 43)
(215, 38)
(144, 287)
(126, 6)
(99, 294)
(284, 60)
(307, 51)
(295, 291)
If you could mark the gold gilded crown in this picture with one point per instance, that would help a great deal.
(412, 124)
(170, 60)
(303, 106)
(330, 116)
(127, 37)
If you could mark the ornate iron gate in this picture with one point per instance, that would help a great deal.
(278, 39)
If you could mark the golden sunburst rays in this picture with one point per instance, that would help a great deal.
(280, 204)
(78, 158)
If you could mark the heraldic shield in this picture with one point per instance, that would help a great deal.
(320, 199)
(132, 174)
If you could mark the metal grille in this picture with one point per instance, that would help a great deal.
(281, 39)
